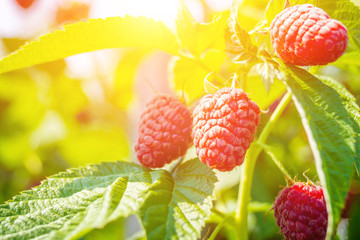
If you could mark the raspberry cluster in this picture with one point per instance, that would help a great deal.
(224, 125)
(300, 212)
(305, 35)
(164, 132)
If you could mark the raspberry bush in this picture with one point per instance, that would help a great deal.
(266, 94)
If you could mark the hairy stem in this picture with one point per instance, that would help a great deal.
(248, 169)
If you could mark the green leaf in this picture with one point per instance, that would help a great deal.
(332, 135)
(71, 204)
(141, 235)
(350, 64)
(245, 40)
(188, 74)
(268, 73)
(240, 42)
(349, 59)
(113, 231)
(204, 53)
(96, 34)
(273, 8)
(353, 109)
(198, 37)
(182, 209)
(124, 77)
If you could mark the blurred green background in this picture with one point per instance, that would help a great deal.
(84, 109)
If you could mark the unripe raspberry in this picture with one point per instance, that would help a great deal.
(164, 132)
(305, 35)
(300, 212)
(224, 125)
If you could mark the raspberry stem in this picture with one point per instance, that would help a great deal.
(172, 170)
(249, 166)
(274, 117)
(244, 191)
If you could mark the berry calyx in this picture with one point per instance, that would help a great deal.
(305, 35)
(300, 212)
(224, 126)
(164, 132)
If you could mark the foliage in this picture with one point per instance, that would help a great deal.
(50, 122)
(68, 205)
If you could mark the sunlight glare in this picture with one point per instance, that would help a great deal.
(163, 10)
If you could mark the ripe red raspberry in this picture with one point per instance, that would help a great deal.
(224, 125)
(305, 35)
(300, 212)
(164, 132)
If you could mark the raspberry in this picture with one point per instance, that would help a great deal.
(305, 35)
(224, 125)
(164, 132)
(300, 212)
(72, 12)
(25, 3)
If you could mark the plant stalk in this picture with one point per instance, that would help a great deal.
(248, 170)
